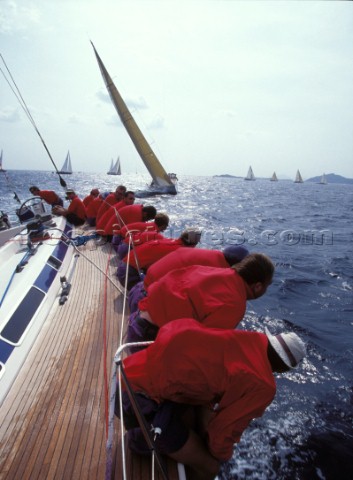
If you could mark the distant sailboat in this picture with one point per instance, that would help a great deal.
(323, 180)
(66, 168)
(161, 181)
(115, 168)
(298, 178)
(250, 175)
(1, 169)
(274, 177)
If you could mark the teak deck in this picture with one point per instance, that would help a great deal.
(52, 422)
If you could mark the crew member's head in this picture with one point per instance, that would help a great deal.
(257, 270)
(191, 237)
(148, 213)
(162, 221)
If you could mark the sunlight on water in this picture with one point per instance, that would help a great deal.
(306, 433)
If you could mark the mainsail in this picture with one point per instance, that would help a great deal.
(157, 172)
(274, 177)
(115, 168)
(1, 169)
(250, 175)
(66, 168)
(298, 178)
(323, 180)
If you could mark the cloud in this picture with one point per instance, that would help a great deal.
(76, 119)
(156, 123)
(136, 103)
(103, 96)
(114, 120)
(17, 18)
(132, 103)
(9, 115)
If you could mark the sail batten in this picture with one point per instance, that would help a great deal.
(154, 167)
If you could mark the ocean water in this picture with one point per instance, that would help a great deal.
(306, 229)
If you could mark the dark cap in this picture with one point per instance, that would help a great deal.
(234, 254)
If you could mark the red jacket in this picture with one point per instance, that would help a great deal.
(184, 257)
(109, 216)
(127, 214)
(149, 252)
(142, 237)
(136, 227)
(49, 196)
(93, 207)
(87, 200)
(76, 206)
(215, 297)
(225, 370)
(110, 200)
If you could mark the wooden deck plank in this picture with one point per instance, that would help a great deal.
(52, 423)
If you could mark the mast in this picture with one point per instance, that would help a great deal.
(157, 172)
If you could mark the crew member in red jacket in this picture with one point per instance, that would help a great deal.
(137, 233)
(184, 257)
(112, 198)
(143, 256)
(49, 196)
(76, 212)
(110, 216)
(130, 214)
(92, 209)
(225, 377)
(216, 297)
(89, 198)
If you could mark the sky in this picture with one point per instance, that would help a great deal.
(215, 86)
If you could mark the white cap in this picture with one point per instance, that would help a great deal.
(290, 348)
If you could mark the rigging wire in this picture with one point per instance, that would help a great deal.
(16, 91)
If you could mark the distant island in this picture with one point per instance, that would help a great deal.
(225, 175)
(331, 178)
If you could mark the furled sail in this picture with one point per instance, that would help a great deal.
(156, 170)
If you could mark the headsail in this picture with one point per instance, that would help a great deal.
(157, 172)
(250, 175)
(298, 178)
